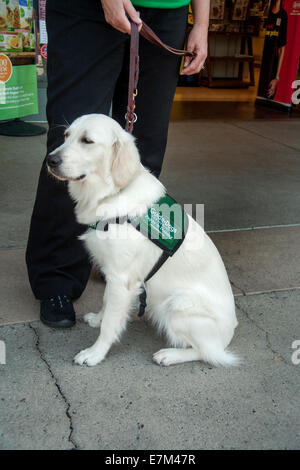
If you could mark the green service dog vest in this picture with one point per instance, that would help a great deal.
(165, 224)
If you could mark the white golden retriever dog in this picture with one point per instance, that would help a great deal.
(189, 298)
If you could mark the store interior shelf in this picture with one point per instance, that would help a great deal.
(226, 83)
(21, 58)
(245, 55)
(231, 33)
(20, 55)
(233, 58)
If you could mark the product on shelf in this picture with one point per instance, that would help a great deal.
(3, 20)
(16, 26)
(9, 15)
(11, 41)
(217, 9)
(240, 10)
(28, 39)
(25, 8)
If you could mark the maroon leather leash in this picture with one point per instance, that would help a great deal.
(148, 34)
(133, 77)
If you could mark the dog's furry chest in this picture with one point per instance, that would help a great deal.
(115, 249)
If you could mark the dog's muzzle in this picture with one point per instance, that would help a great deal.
(54, 161)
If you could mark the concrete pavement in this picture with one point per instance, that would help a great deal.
(247, 174)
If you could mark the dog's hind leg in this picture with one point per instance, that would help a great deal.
(116, 309)
(203, 337)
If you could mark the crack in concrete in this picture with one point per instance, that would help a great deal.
(61, 393)
(237, 287)
(267, 334)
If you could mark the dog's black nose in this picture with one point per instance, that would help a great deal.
(54, 160)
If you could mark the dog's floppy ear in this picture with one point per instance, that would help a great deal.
(125, 160)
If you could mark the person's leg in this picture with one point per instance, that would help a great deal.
(158, 78)
(84, 61)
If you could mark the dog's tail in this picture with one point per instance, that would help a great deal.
(220, 357)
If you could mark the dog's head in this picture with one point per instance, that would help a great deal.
(96, 148)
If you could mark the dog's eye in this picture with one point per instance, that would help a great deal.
(86, 140)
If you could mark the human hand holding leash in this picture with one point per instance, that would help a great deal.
(117, 12)
(197, 43)
(197, 39)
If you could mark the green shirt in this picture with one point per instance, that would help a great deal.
(160, 3)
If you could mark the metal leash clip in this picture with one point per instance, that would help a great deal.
(131, 121)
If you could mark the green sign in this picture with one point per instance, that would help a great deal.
(18, 95)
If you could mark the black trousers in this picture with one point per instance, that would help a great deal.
(87, 72)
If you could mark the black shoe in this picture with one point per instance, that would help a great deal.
(58, 312)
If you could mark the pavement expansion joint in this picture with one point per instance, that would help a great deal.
(252, 228)
(264, 137)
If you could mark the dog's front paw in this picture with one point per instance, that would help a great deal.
(93, 319)
(89, 356)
